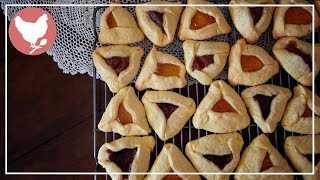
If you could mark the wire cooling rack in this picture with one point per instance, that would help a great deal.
(194, 90)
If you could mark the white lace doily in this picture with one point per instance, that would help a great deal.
(75, 34)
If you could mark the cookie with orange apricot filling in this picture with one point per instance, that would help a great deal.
(262, 156)
(298, 114)
(117, 26)
(222, 110)
(125, 115)
(202, 22)
(299, 151)
(293, 21)
(250, 65)
(172, 160)
(161, 71)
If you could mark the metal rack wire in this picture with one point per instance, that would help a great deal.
(197, 92)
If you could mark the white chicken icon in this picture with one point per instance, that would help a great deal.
(31, 32)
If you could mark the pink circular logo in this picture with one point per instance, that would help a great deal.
(32, 31)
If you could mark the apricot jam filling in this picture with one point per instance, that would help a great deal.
(167, 70)
(267, 163)
(220, 161)
(118, 64)
(256, 13)
(157, 18)
(250, 63)
(200, 20)
(264, 103)
(292, 47)
(222, 106)
(201, 62)
(124, 117)
(111, 21)
(297, 15)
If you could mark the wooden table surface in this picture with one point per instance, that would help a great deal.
(50, 126)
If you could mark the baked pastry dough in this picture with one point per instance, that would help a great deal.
(262, 156)
(299, 151)
(224, 156)
(295, 56)
(221, 110)
(161, 71)
(127, 154)
(117, 65)
(117, 26)
(298, 114)
(293, 21)
(202, 22)
(266, 104)
(317, 3)
(251, 22)
(125, 115)
(172, 160)
(159, 23)
(205, 60)
(167, 112)
(250, 65)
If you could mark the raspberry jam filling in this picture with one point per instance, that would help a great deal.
(220, 161)
(167, 108)
(267, 163)
(292, 47)
(157, 18)
(123, 158)
(111, 21)
(201, 62)
(256, 13)
(297, 15)
(265, 104)
(118, 64)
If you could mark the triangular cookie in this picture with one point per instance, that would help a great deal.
(117, 26)
(250, 65)
(251, 22)
(117, 65)
(299, 151)
(221, 111)
(205, 60)
(295, 56)
(125, 115)
(126, 155)
(298, 114)
(167, 112)
(215, 153)
(266, 104)
(202, 22)
(171, 160)
(159, 23)
(262, 156)
(292, 20)
(161, 71)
